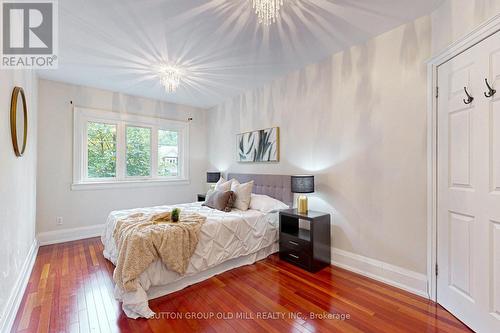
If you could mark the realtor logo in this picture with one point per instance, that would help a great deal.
(29, 34)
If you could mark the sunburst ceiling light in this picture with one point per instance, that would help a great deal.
(267, 11)
(170, 78)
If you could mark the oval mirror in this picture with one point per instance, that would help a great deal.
(18, 121)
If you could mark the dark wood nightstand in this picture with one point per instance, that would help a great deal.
(201, 197)
(306, 248)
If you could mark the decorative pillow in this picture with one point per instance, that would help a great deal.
(223, 185)
(266, 204)
(243, 194)
(209, 193)
(219, 200)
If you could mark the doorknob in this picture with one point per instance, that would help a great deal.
(491, 92)
(469, 97)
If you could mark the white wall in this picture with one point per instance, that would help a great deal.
(17, 187)
(55, 143)
(455, 18)
(357, 121)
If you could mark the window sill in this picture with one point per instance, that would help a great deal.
(108, 185)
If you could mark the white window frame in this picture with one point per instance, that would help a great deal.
(81, 181)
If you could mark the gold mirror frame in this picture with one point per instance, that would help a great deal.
(13, 120)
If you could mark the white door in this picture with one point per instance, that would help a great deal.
(468, 283)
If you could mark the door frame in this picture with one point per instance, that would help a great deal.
(477, 35)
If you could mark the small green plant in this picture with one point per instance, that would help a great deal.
(175, 214)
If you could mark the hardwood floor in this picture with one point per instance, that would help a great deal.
(71, 290)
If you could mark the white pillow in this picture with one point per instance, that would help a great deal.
(243, 194)
(266, 204)
(223, 185)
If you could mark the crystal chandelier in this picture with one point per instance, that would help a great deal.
(267, 11)
(170, 78)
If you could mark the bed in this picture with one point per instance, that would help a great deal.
(227, 241)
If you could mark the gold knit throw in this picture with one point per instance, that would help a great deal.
(141, 239)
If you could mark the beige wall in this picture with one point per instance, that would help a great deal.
(456, 18)
(55, 164)
(358, 122)
(17, 186)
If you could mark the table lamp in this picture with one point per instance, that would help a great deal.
(302, 184)
(212, 178)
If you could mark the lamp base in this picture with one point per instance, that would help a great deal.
(302, 204)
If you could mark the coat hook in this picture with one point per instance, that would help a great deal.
(469, 97)
(491, 91)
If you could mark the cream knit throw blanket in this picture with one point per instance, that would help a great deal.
(141, 239)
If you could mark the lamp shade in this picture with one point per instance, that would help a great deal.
(213, 177)
(303, 184)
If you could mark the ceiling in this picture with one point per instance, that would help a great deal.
(119, 45)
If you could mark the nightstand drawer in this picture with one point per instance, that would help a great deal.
(295, 257)
(295, 243)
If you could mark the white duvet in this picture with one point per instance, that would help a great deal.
(227, 240)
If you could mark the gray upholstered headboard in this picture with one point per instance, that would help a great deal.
(275, 186)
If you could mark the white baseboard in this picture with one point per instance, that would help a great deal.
(395, 276)
(67, 235)
(16, 296)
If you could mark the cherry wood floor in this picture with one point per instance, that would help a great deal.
(71, 290)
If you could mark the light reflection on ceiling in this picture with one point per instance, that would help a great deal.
(118, 44)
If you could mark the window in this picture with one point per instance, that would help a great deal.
(168, 153)
(101, 150)
(114, 149)
(138, 151)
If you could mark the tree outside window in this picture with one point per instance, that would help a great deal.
(138, 151)
(101, 150)
(168, 153)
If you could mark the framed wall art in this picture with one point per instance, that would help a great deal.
(259, 146)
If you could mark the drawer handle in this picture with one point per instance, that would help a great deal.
(293, 256)
(293, 243)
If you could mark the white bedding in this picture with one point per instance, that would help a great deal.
(227, 240)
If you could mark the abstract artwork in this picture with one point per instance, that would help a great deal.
(259, 146)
